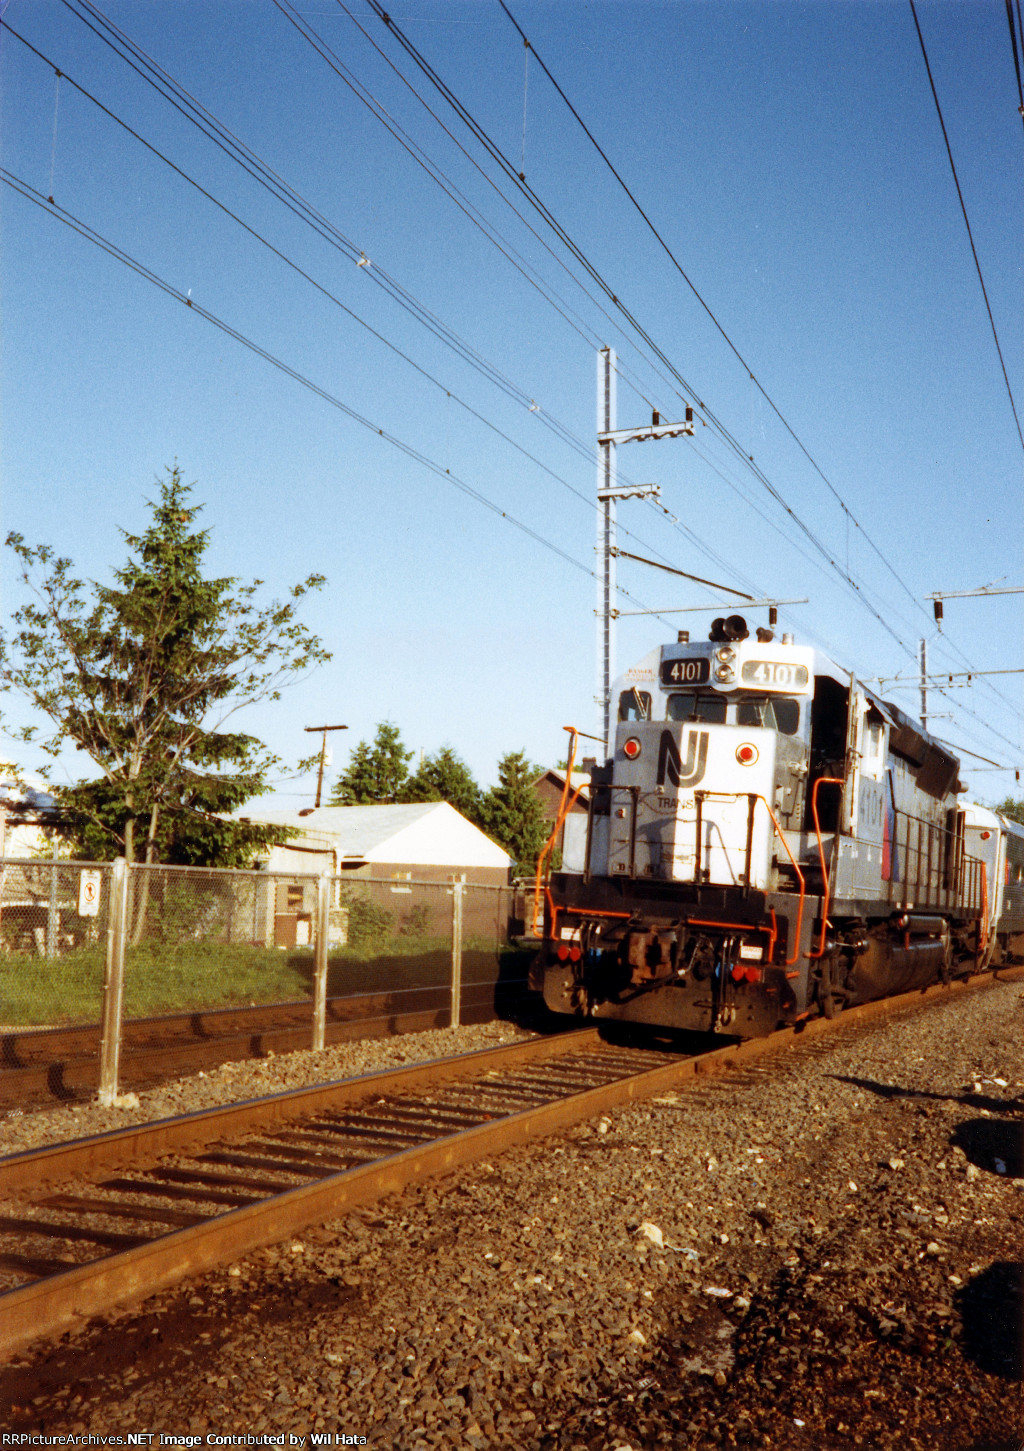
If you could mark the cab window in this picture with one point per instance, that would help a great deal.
(691, 705)
(775, 712)
(635, 705)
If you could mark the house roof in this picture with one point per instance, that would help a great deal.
(422, 833)
(557, 777)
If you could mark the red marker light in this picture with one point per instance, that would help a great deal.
(746, 754)
(738, 973)
(631, 748)
(753, 974)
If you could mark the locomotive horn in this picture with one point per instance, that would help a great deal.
(732, 628)
(736, 628)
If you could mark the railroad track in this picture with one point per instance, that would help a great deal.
(98, 1222)
(61, 1065)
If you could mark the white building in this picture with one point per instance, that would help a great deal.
(428, 841)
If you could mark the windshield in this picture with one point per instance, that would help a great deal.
(775, 712)
(771, 712)
(692, 705)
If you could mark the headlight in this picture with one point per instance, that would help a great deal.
(726, 654)
(725, 674)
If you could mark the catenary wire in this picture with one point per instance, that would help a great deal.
(967, 223)
(530, 46)
(226, 140)
(233, 147)
(332, 297)
(61, 214)
(576, 251)
(747, 460)
(858, 590)
(589, 453)
(188, 106)
(1014, 26)
(704, 304)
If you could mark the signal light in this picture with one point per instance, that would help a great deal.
(746, 754)
(631, 748)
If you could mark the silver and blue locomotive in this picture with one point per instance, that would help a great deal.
(768, 839)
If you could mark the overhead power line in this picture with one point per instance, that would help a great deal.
(967, 222)
(1015, 27)
(379, 273)
(689, 393)
(520, 184)
(61, 214)
(118, 253)
(207, 123)
(703, 302)
(229, 143)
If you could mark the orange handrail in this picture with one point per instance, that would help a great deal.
(735, 795)
(828, 781)
(564, 808)
(800, 878)
(985, 921)
(579, 912)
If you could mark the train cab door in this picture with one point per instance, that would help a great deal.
(830, 726)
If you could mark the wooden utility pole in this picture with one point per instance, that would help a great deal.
(323, 756)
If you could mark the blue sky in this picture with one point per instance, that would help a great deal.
(791, 156)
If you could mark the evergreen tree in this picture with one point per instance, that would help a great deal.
(1012, 807)
(513, 814)
(376, 773)
(444, 776)
(143, 675)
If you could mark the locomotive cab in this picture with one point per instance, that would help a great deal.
(708, 766)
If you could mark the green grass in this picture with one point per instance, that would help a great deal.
(162, 978)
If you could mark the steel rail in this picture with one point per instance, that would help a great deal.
(62, 1064)
(59, 1301)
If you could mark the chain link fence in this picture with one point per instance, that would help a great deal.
(53, 938)
(169, 940)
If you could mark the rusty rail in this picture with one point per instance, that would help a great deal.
(55, 1302)
(61, 1065)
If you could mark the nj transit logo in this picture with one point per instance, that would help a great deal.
(670, 762)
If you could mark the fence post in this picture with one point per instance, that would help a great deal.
(458, 887)
(52, 915)
(113, 983)
(323, 925)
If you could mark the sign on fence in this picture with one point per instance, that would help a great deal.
(89, 883)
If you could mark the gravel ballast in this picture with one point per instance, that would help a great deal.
(819, 1251)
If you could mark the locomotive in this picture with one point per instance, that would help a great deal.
(768, 839)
